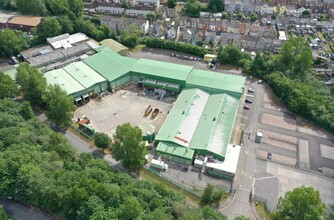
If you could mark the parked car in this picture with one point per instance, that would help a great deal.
(248, 100)
(259, 82)
(269, 156)
(173, 55)
(246, 107)
(251, 90)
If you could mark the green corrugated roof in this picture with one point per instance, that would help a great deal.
(65, 80)
(110, 64)
(213, 80)
(171, 125)
(174, 149)
(200, 121)
(84, 74)
(214, 128)
(162, 69)
(114, 45)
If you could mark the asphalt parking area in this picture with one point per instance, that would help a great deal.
(126, 105)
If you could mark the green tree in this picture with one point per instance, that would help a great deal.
(33, 84)
(26, 111)
(253, 17)
(31, 7)
(216, 6)
(12, 42)
(296, 55)
(225, 15)
(130, 209)
(104, 32)
(171, 3)
(60, 106)
(3, 214)
(323, 17)
(128, 146)
(85, 26)
(300, 203)
(76, 6)
(329, 215)
(240, 15)
(212, 214)
(241, 217)
(125, 4)
(151, 17)
(130, 36)
(192, 8)
(8, 89)
(49, 27)
(102, 140)
(207, 196)
(67, 25)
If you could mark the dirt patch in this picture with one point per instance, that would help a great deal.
(270, 101)
(278, 121)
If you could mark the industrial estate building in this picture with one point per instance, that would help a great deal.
(201, 120)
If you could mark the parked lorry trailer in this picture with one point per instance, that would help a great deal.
(158, 164)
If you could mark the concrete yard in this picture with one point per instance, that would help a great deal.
(290, 178)
(282, 122)
(124, 106)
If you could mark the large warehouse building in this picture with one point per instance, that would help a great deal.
(202, 118)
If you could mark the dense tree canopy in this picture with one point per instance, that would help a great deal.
(59, 104)
(33, 84)
(8, 88)
(232, 55)
(128, 146)
(39, 167)
(31, 7)
(288, 74)
(49, 27)
(300, 203)
(296, 56)
(215, 6)
(171, 3)
(12, 42)
(130, 36)
(192, 8)
(173, 45)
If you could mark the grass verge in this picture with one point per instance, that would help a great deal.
(263, 211)
(138, 48)
(153, 178)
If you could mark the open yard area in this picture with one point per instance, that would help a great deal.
(125, 105)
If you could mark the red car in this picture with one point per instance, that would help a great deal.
(246, 107)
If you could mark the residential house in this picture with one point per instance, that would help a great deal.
(204, 14)
(117, 23)
(186, 35)
(136, 13)
(171, 33)
(210, 36)
(160, 30)
(110, 10)
(199, 36)
(262, 31)
(189, 22)
(131, 3)
(231, 39)
(169, 12)
(153, 4)
(267, 10)
(233, 27)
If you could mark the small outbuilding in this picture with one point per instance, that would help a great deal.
(115, 46)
